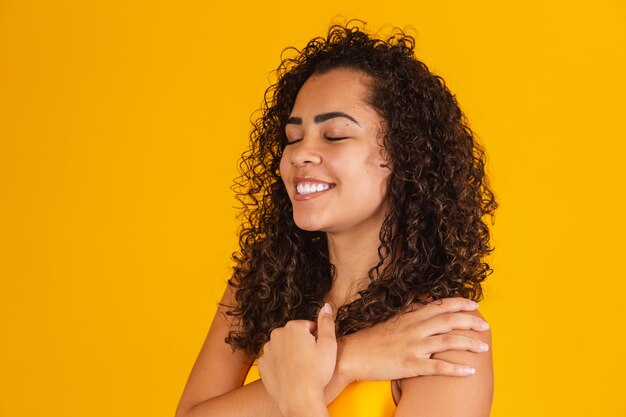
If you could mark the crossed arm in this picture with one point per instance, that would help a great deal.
(427, 350)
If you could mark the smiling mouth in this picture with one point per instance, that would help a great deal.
(306, 188)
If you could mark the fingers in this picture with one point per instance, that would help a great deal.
(445, 342)
(445, 305)
(326, 326)
(444, 323)
(439, 367)
(303, 326)
(325, 319)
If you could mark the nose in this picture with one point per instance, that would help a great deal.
(304, 153)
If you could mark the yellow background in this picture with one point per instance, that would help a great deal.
(120, 127)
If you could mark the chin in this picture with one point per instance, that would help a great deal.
(309, 227)
(309, 224)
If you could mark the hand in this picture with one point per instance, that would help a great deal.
(296, 366)
(402, 346)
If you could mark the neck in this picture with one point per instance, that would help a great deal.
(353, 254)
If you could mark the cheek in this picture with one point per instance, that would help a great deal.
(378, 178)
(376, 167)
(283, 167)
(367, 179)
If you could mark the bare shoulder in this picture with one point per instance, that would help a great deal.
(461, 396)
(483, 336)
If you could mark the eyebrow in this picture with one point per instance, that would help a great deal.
(320, 118)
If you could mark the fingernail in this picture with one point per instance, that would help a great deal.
(484, 325)
(468, 371)
(484, 347)
(473, 304)
(328, 309)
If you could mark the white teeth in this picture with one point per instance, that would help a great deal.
(308, 188)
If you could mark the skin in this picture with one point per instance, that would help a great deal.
(304, 366)
(351, 212)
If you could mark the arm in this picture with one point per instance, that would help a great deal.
(297, 366)
(408, 345)
(215, 385)
(443, 396)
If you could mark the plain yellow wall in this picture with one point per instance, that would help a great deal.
(120, 127)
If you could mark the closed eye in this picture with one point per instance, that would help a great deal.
(328, 138)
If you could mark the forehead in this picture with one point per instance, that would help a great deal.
(341, 89)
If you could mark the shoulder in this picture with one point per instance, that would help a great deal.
(483, 335)
(462, 396)
(481, 361)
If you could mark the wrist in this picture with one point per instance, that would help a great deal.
(344, 370)
(335, 387)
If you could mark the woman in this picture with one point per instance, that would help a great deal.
(363, 243)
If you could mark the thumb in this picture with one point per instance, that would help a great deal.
(326, 326)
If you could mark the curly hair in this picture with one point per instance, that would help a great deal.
(434, 238)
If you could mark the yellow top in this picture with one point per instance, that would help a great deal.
(364, 399)
(359, 399)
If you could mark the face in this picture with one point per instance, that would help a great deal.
(331, 165)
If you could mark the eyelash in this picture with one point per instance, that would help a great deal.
(330, 139)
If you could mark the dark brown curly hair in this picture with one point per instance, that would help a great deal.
(434, 237)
